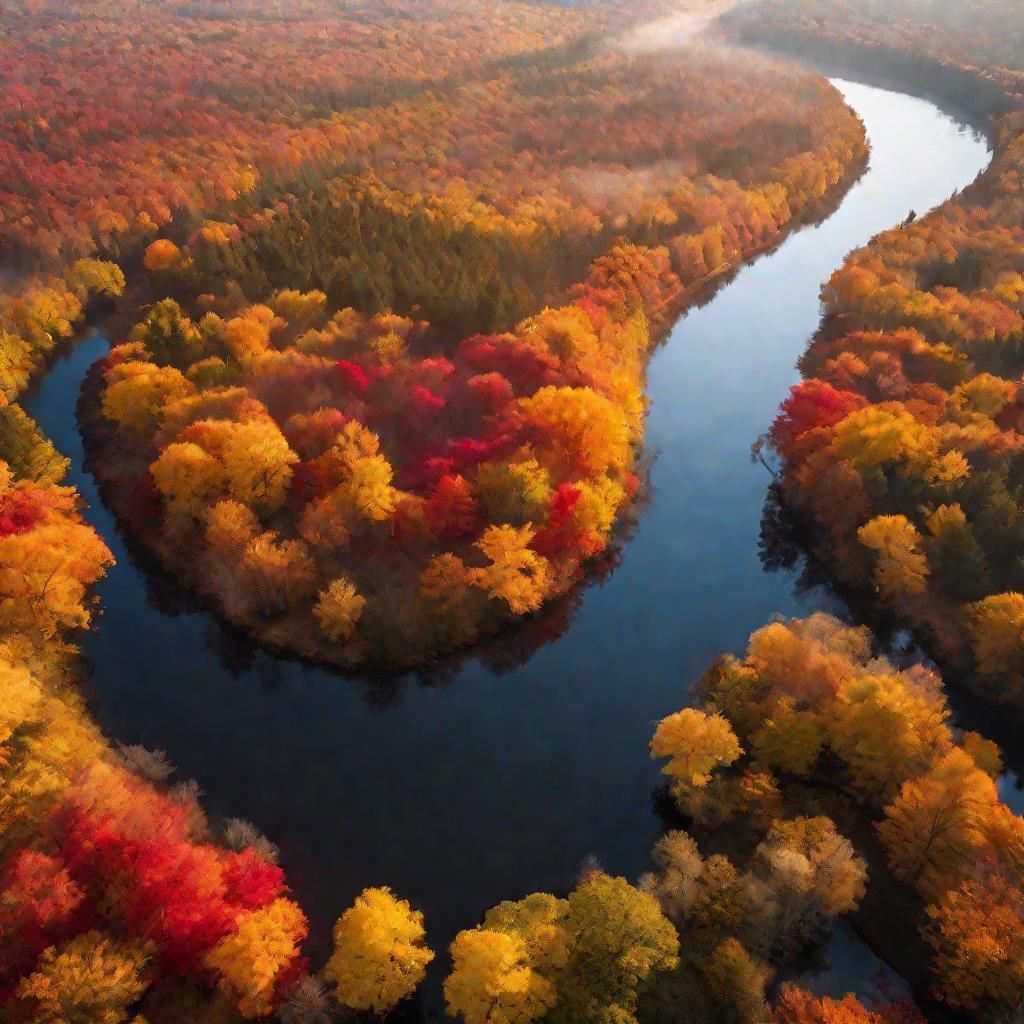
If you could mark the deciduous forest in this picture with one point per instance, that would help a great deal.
(383, 284)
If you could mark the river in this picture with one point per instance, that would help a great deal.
(491, 784)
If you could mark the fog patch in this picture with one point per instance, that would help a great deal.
(674, 31)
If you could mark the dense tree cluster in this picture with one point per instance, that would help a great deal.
(169, 108)
(110, 879)
(903, 447)
(346, 494)
(810, 718)
(362, 485)
(477, 206)
(45, 311)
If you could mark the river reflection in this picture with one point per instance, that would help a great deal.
(495, 777)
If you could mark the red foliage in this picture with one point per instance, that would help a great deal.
(451, 508)
(560, 533)
(135, 859)
(424, 401)
(40, 905)
(812, 403)
(354, 376)
(20, 511)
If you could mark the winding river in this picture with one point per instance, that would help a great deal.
(499, 778)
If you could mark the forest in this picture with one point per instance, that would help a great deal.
(901, 448)
(383, 282)
(437, 428)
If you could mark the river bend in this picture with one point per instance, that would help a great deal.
(490, 784)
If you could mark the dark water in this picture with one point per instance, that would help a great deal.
(494, 785)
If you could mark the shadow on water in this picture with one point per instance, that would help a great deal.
(498, 775)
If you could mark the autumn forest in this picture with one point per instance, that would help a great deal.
(552, 471)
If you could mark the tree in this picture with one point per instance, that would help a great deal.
(368, 490)
(937, 823)
(790, 740)
(40, 901)
(379, 954)
(900, 566)
(517, 575)
(977, 932)
(735, 984)
(48, 559)
(21, 695)
(257, 464)
(248, 335)
(137, 393)
(539, 920)
(189, 478)
(162, 255)
(492, 982)
(339, 609)
(169, 336)
(260, 947)
(997, 634)
(280, 572)
(887, 726)
(619, 938)
(514, 492)
(797, 1006)
(810, 875)
(678, 867)
(90, 979)
(300, 308)
(577, 430)
(953, 551)
(451, 508)
(95, 277)
(230, 526)
(696, 743)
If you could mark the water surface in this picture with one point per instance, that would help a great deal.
(494, 785)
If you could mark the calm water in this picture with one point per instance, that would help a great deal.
(494, 785)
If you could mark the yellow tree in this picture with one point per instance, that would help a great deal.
(137, 393)
(279, 571)
(20, 695)
(230, 526)
(300, 308)
(258, 464)
(368, 488)
(249, 960)
(514, 492)
(790, 740)
(46, 571)
(539, 921)
(900, 566)
(517, 575)
(248, 335)
(696, 743)
(997, 634)
(492, 982)
(379, 954)
(577, 430)
(887, 727)
(339, 609)
(189, 478)
(95, 277)
(90, 978)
